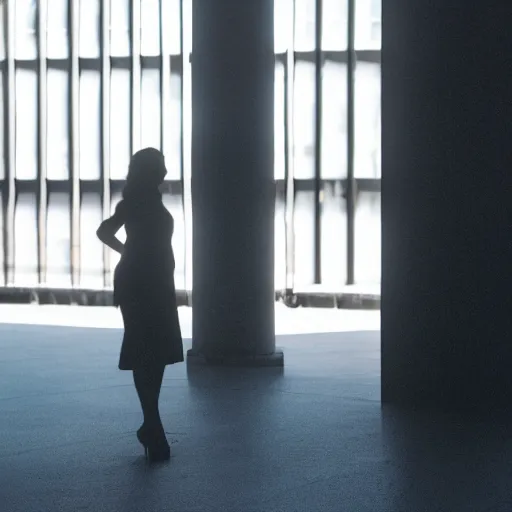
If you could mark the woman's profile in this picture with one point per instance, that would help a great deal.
(144, 290)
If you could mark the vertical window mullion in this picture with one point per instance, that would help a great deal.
(135, 35)
(289, 85)
(351, 183)
(74, 166)
(9, 187)
(42, 199)
(318, 142)
(165, 77)
(184, 63)
(105, 129)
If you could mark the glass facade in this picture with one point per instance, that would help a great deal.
(85, 83)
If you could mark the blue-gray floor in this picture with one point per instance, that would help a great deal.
(312, 437)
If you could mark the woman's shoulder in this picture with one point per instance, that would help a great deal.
(121, 208)
(127, 209)
(132, 208)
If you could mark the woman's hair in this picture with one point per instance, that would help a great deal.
(145, 173)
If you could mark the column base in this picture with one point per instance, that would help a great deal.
(268, 360)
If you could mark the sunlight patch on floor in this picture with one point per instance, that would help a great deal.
(288, 321)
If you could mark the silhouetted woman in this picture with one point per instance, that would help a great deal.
(144, 290)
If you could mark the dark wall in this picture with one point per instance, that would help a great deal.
(447, 202)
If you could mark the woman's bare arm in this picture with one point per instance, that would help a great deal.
(107, 232)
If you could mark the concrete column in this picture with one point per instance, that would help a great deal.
(447, 203)
(233, 190)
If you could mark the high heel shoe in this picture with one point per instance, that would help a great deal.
(142, 435)
(156, 447)
(158, 451)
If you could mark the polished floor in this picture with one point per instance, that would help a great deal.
(310, 437)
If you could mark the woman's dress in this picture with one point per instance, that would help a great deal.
(144, 286)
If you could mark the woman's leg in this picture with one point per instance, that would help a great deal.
(139, 378)
(148, 382)
(157, 375)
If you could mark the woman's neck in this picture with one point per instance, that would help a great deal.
(141, 193)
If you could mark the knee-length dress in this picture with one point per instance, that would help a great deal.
(144, 286)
